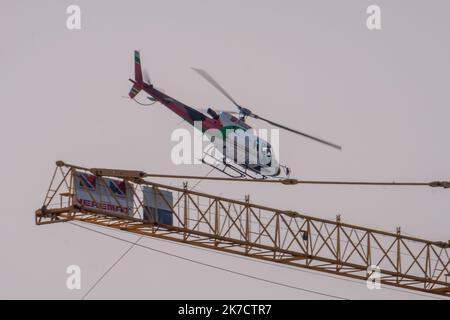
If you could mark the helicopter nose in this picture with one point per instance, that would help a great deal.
(277, 173)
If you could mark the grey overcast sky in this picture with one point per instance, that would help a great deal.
(313, 65)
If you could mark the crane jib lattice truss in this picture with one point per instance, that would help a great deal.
(251, 230)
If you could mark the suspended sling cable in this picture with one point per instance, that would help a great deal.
(443, 184)
(134, 174)
(133, 244)
(140, 175)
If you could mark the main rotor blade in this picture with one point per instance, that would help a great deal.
(297, 132)
(205, 75)
(146, 77)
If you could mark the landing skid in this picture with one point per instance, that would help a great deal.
(230, 169)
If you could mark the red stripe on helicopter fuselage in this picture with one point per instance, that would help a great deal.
(187, 113)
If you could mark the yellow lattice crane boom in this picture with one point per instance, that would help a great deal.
(129, 200)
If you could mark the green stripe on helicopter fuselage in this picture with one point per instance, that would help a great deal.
(224, 130)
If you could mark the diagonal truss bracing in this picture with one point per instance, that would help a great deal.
(244, 228)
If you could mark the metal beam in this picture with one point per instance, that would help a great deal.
(247, 229)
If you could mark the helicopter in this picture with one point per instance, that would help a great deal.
(233, 161)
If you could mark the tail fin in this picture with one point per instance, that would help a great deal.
(138, 82)
(137, 67)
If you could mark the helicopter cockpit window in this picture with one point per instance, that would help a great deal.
(266, 150)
